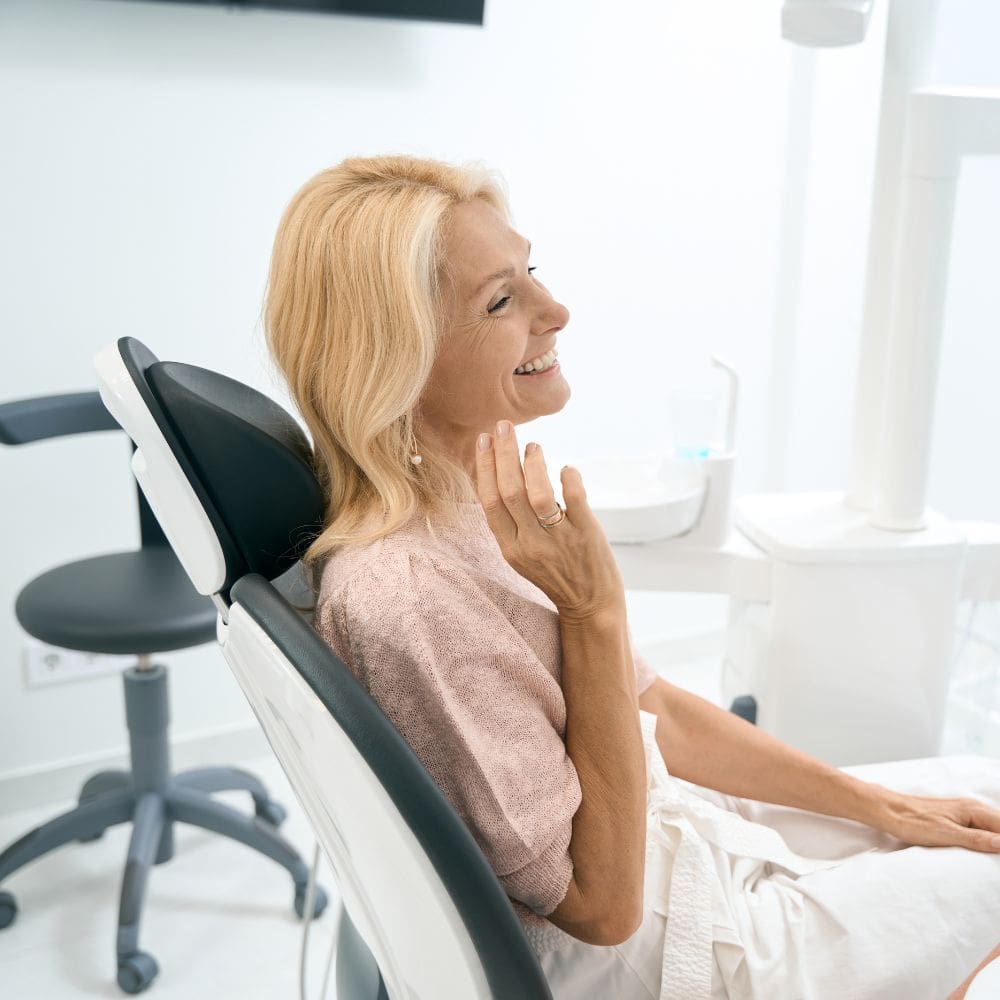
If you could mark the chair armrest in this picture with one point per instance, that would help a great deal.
(26, 420)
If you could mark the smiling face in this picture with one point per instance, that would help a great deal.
(497, 316)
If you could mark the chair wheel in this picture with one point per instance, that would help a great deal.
(137, 971)
(319, 903)
(272, 812)
(8, 910)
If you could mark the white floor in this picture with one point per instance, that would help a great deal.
(218, 917)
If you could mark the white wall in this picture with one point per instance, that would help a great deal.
(149, 149)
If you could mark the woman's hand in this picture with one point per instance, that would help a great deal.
(571, 562)
(927, 821)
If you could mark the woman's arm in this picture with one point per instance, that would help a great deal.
(708, 746)
(704, 744)
(603, 904)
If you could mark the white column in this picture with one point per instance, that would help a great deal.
(909, 36)
(943, 125)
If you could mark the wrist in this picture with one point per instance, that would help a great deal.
(611, 614)
(876, 805)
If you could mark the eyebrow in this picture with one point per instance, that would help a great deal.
(507, 272)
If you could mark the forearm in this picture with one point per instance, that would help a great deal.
(711, 747)
(604, 741)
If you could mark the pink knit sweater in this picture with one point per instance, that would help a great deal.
(463, 655)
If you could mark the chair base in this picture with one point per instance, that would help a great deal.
(152, 799)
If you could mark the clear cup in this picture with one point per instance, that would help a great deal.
(697, 419)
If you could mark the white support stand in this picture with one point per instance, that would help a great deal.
(843, 606)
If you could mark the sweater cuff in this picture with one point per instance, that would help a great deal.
(542, 884)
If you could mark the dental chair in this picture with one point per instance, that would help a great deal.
(228, 474)
(138, 603)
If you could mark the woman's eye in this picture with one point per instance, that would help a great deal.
(498, 305)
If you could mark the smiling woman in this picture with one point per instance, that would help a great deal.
(491, 329)
(648, 840)
(352, 321)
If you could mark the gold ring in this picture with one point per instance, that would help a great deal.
(554, 518)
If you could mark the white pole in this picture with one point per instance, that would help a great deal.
(943, 125)
(909, 33)
(914, 353)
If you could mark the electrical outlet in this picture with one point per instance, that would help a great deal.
(44, 664)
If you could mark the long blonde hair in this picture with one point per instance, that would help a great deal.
(352, 319)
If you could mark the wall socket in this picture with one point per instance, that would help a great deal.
(44, 664)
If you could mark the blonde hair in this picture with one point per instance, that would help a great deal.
(352, 320)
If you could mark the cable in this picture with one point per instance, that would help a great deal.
(307, 913)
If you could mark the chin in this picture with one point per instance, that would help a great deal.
(557, 407)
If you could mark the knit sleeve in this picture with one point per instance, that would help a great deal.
(478, 708)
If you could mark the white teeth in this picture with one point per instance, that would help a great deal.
(545, 361)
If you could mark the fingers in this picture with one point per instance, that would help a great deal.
(982, 840)
(488, 489)
(985, 818)
(541, 495)
(510, 478)
(513, 496)
(985, 822)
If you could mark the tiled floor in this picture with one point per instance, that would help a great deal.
(218, 919)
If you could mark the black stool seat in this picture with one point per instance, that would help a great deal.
(126, 603)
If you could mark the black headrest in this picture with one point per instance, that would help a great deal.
(249, 463)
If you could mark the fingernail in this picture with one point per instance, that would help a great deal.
(503, 428)
(530, 448)
(484, 442)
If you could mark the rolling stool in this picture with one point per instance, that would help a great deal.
(139, 603)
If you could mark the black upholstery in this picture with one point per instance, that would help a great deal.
(253, 462)
(127, 602)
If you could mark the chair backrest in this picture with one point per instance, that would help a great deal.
(227, 472)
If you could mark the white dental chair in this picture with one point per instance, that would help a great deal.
(228, 474)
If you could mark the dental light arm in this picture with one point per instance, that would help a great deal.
(943, 125)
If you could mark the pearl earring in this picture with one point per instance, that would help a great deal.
(416, 459)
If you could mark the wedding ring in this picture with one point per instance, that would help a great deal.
(554, 518)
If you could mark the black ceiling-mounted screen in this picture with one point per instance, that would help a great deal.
(455, 11)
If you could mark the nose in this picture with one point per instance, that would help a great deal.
(552, 315)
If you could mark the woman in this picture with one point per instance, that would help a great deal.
(626, 819)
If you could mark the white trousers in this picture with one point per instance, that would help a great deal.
(887, 922)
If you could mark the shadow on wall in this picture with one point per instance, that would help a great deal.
(213, 42)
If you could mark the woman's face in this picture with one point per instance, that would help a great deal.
(497, 317)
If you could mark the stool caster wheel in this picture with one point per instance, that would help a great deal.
(319, 903)
(8, 910)
(136, 972)
(272, 812)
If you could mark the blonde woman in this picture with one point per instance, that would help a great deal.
(652, 844)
